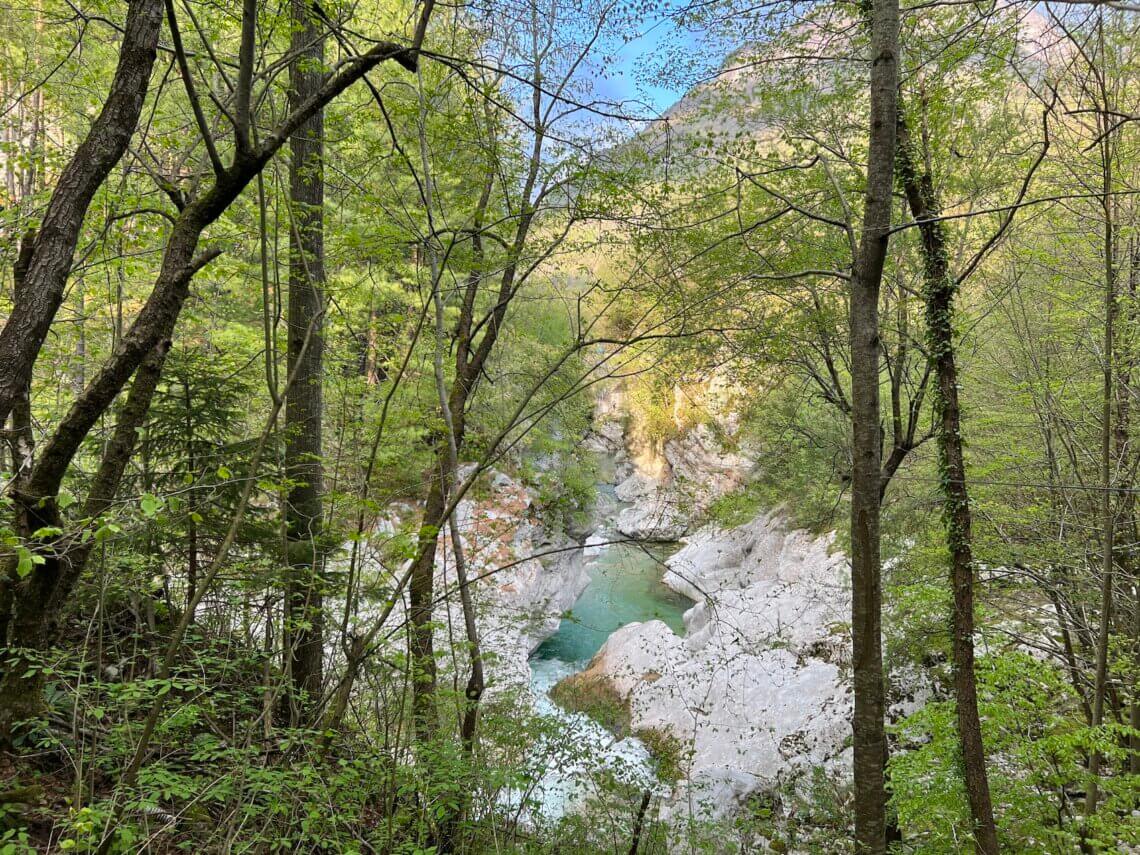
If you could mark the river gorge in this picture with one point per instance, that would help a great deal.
(731, 645)
(730, 642)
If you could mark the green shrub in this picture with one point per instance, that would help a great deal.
(668, 752)
(595, 697)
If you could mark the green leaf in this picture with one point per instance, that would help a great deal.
(106, 531)
(150, 505)
(24, 562)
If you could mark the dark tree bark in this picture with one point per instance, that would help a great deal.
(421, 595)
(870, 742)
(304, 624)
(1126, 460)
(20, 438)
(421, 588)
(639, 822)
(1105, 123)
(24, 333)
(940, 288)
(191, 496)
(37, 601)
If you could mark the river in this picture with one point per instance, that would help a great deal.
(625, 587)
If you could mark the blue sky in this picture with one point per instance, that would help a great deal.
(634, 77)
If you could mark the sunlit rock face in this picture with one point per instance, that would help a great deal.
(758, 685)
(697, 470)
(654, 512)
(669, 484)
(526, 580)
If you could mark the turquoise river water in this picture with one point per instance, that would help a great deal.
(625, 587)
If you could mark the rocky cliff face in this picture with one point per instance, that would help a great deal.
(520, 597)
(669, 484)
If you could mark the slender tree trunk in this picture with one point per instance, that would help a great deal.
(639, 822)
(870, 742)
(1107, 509)
(421, 586)
(421, 596)
(940, 290)
(1134, 710)
(303, 409)
(1069, 652)
(1126, 515)
(16, 624)
(191, 498)
(371, 344)
(448, 445)
(450, 837)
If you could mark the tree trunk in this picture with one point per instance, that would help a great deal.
(940, 290)
(421, 587)
(1108, 512)
(870, 743)
(21, 438)
(37, 601)
(1134, 710)
(24, 333)
(1126, 515)
(421, 595)
(304, 624)
(191, 497)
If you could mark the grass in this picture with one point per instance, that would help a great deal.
(595, 697)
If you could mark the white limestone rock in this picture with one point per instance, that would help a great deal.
(637, 487)
(521, 598)
(757, 684)
(652, 520)
(667, 486)
(595, 543)
(607, 430)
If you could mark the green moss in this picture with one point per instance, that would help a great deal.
(595, 697)
(668, 753)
